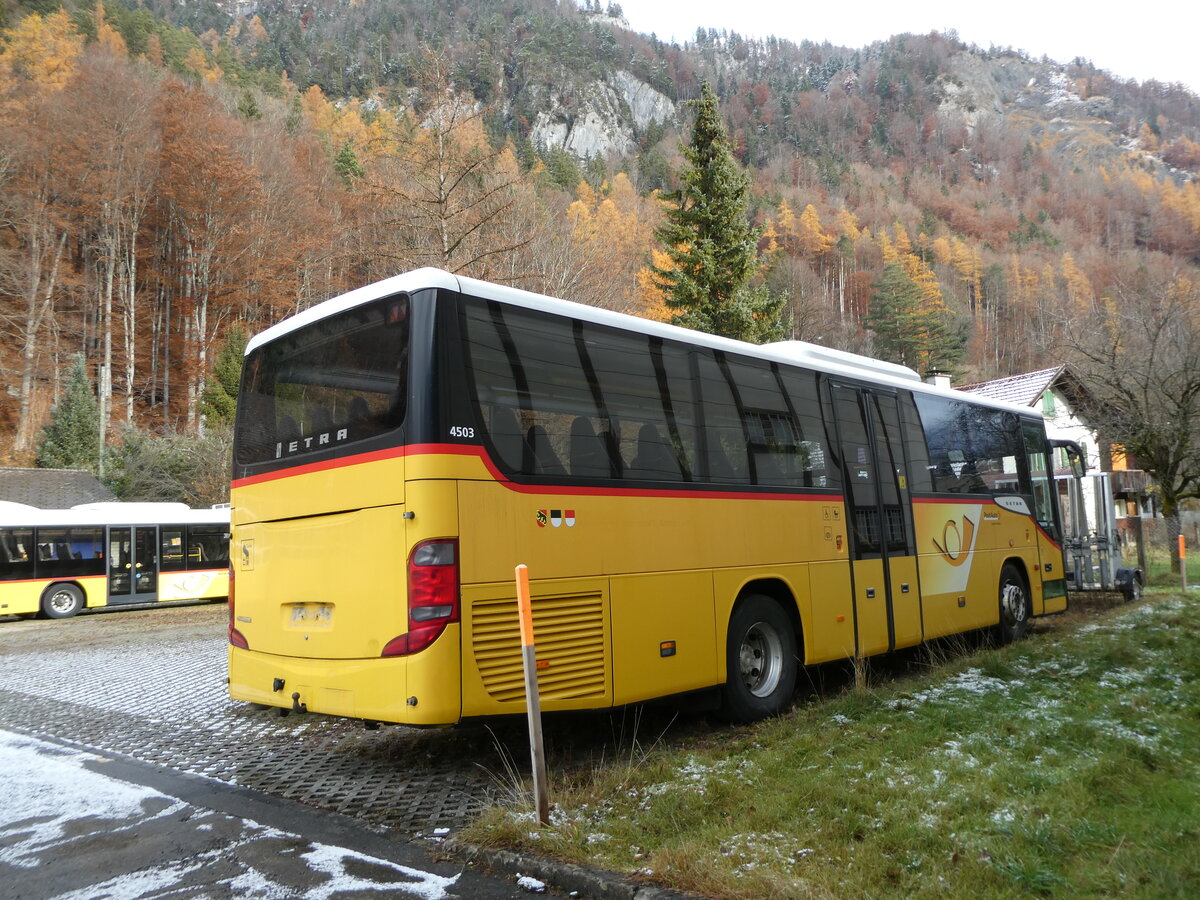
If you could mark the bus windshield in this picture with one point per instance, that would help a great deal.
(338, 380)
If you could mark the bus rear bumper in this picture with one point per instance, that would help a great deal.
(372, 689)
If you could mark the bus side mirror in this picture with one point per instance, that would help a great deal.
(1074, 454)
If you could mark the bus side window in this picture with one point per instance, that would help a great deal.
(510, 443)
(919, 474)
(630, 381)
(672, 363)
(545, 460)
(171, 554)
(207, 546)
(725, 439)
(14, 558)
(589, 455)
(655, 459)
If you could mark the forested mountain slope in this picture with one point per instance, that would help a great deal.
(169, 169)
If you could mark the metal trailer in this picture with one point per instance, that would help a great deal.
(1091, 540)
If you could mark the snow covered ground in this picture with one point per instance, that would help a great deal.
(70, 831)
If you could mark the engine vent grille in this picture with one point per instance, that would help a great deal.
(571, 634)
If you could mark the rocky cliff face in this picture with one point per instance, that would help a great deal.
(600, 117)
(1038, 95)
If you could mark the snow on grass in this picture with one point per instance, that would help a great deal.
(972, 682)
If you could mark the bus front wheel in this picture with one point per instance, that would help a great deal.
(61, 601)
(760, 660)
(1014, 606)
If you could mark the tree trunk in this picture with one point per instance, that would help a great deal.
(36, 309)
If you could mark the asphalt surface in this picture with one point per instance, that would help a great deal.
(81, 825)
(130, 773)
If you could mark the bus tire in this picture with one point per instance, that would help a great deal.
(760, 661)
(1014, 605)
(61, 601)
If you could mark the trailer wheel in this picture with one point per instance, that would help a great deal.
(61, 601)
(1132, 589)
(760, 661)
(1014, 606)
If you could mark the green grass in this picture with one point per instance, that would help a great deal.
(1066, 765)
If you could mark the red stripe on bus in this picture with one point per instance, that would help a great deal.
(358, 459)
(573, 490)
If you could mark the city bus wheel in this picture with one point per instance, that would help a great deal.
(1014, 606)
(760, 661)
(61, 601)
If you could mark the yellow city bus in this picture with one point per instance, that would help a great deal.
(56, 562)
(697, 513)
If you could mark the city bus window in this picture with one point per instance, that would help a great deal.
(207, 546)
(70, 551)
(15, 561)
(171, 557)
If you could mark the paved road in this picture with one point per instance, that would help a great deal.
(129, 773)
(76, 825)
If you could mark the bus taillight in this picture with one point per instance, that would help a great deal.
(432, 596)
(236, 638)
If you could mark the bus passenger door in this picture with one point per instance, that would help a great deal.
(132, 564)
(887, 597)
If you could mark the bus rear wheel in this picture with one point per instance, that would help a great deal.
(760, 661)
(1014, 606)
(61, 601)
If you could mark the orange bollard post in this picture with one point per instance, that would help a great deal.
(532, 701)
(1183, 562)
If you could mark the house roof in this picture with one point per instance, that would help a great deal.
(1025, 390)
(51, 488)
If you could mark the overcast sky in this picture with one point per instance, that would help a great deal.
(1156, 40)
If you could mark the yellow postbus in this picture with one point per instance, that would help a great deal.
(56, 562)
(697, 513)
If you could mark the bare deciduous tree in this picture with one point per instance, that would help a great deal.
(1139, 352)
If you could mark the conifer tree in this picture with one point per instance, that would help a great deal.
(346, 164)
(71, 440)
(711, 245)
(220, 395)
(906, 331)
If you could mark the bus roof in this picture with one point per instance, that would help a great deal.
(15, 515)
(813, 356)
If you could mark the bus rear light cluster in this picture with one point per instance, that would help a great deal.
(433, 601)
(236, 638)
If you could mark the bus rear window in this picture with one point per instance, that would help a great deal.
(339, 380)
